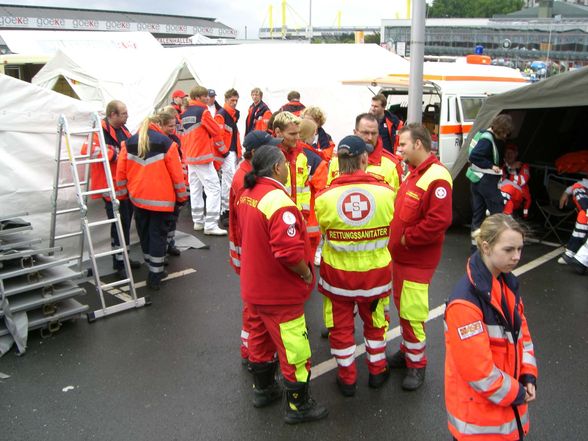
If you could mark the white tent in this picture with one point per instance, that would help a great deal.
(28, 122)
(315, 70)
(48, 42)
(99, 76)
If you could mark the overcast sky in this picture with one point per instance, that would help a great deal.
(251, 13)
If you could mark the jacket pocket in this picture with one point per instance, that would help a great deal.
(410, 210)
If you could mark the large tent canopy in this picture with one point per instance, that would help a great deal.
(28, 140)
(316, 71)
(99, 76)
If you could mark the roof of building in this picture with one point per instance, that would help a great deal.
(566, 10)
(96, 14)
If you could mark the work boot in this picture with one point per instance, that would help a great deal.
(397, 360)
(300, 407)
(415, 377)
(198, 226)
(223, 221)
(265, 388)
(347, 390)
(173, 250)
(376, 381)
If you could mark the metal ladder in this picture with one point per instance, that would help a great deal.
(82, 192)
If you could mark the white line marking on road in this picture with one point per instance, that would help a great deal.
(119, 294)
(330, 364)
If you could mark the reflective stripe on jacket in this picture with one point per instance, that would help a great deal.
(155, 182)
(227, 119)
(489, 357)
(354, 215)
(199, 131)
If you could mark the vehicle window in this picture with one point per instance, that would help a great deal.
(470, 107)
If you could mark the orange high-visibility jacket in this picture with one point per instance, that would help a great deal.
(113, 146)
(199, 132)
(154, 182)
(489, 357)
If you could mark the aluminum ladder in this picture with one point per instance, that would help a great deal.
(82, 193)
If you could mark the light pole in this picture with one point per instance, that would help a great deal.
(417, 55)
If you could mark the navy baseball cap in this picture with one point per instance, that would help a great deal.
(354, 146)
(211, 92)
(257, 138)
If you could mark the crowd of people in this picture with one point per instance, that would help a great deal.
(371, 212)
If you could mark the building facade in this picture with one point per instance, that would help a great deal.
(168, 29)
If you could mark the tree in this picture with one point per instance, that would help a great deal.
(473, 8)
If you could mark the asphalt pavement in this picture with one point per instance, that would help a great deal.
(172, 371)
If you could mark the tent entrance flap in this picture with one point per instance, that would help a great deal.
(63, 87)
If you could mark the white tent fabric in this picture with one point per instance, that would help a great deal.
(315, 70)
(565, 90)
(49, 42)
(99, 76)
(28, 122)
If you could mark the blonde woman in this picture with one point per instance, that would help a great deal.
(149, 173)
(490, 366)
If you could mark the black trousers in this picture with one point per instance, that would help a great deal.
(126, 215)
(171, 235)
(485, 196)
(153, 227)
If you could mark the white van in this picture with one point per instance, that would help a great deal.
(453, 93)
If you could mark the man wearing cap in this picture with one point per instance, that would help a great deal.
(354, 215)
(423, 213)
(381, 164)
(227, 119)
(252, 141)
(213, 105)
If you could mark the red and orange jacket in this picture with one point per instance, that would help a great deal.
(273, 237)
(422, 214)
(227, 120)
(295, 107)
(113, 146)
(155, 182)
(324, 144)
(237, 187)
(201, 137)
(318, 173)
(257, 117)
(489, 357)
(390, 125)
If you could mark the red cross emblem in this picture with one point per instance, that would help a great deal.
(356, 207)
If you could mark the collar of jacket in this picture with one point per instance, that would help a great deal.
(423, 166)
(155, 127)
(197, 103)
(263, 180)
(357, 177)
(233, 113)
(375, 157)
(481, 278)
(291, 153)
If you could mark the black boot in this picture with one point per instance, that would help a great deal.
(300, 407)
(265, 388)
